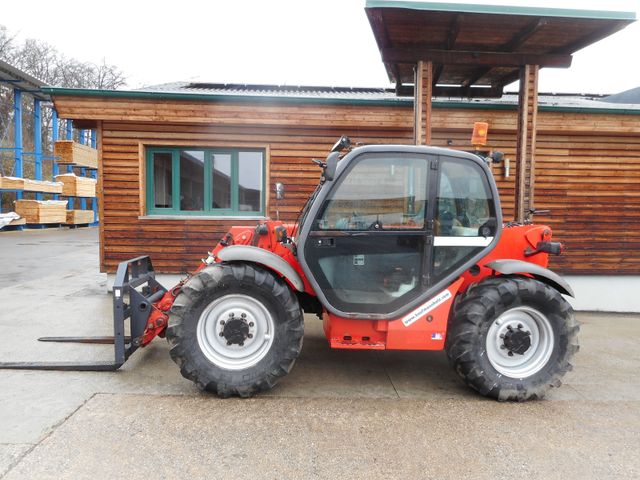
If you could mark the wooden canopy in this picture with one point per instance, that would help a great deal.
(478, 49)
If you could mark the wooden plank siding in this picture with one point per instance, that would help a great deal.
(587, 169)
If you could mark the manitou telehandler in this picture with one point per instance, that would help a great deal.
(398, 248)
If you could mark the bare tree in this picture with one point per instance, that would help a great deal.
(6, 41)
(46, 63)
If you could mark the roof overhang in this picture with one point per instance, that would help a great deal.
(22, 81)
(478, 49)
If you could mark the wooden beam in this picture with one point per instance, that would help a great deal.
(452, 91)
(514, 44)
(449, 44)
(526, 141)
(523, 35)
(437, 72)
(461, 57)
(376, 18)
(508, 78)
(422, 103)
(454, 31)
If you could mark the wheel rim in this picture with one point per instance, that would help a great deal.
(248, 335)
(520, 342)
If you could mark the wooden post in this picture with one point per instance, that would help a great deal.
(422, 103)
(526, 141)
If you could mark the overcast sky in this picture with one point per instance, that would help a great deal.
(294, 42)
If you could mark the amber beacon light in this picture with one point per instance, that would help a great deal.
(479, 136)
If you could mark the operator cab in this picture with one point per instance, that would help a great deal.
(396, 225)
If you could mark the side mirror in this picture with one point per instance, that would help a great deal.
(279, 191)
(341, 144)
(331, 163)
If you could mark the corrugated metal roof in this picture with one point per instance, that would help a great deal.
(284, 91)
(549, 100)
(220, 92)
(22, 80)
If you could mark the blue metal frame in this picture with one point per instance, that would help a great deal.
(69, 136)
(17, 135)
(83, 171)
(84, 137)
(37, 141)
(94, 175)
(55, 134)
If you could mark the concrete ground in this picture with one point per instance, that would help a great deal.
(339, 414)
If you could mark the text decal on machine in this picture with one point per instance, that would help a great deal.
(414, 316)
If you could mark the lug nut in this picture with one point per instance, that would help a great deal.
(222, 334)
(231, 315)
(222, 322)
(519, 326)
(510, 353)
(228, 343)
(243, 315)
(250, 335)
(251, 324)
(510, 328)
(241, 344)
(502, 335)
(502, 347)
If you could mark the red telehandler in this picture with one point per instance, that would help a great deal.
(399, 248)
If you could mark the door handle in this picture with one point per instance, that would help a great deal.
(325, 242)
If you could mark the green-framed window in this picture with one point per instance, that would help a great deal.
(205, 181)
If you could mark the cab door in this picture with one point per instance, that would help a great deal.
(395, 228)
(369, 243)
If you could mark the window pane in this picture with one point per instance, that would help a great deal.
(249, 181)
(379, 193)
(191, 180)
(465, 203)
(466, 218)
(162, 187)
(221, 181)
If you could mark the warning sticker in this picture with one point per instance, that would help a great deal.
(425, 308)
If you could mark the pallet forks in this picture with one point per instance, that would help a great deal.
(135, 290)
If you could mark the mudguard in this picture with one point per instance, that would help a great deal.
(270, 260)
(509, 267)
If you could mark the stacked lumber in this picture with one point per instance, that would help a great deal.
(42, 211)
(11, 183)
(73, 153)
(42, 186)
(79, 217)
(74, 186)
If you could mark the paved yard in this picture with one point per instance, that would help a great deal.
(337, 415)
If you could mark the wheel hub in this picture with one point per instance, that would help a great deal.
(517, 341)
(236, 331)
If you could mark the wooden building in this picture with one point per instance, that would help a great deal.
(181, 163)
(587, 162)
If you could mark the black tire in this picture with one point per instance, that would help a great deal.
(216, 284)
(488, 305)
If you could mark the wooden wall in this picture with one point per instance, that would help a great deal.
(587, 169)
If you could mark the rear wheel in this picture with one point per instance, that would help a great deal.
(235, 329)
(512, 338)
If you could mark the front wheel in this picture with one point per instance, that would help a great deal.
(512, 338)
(235, 329)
